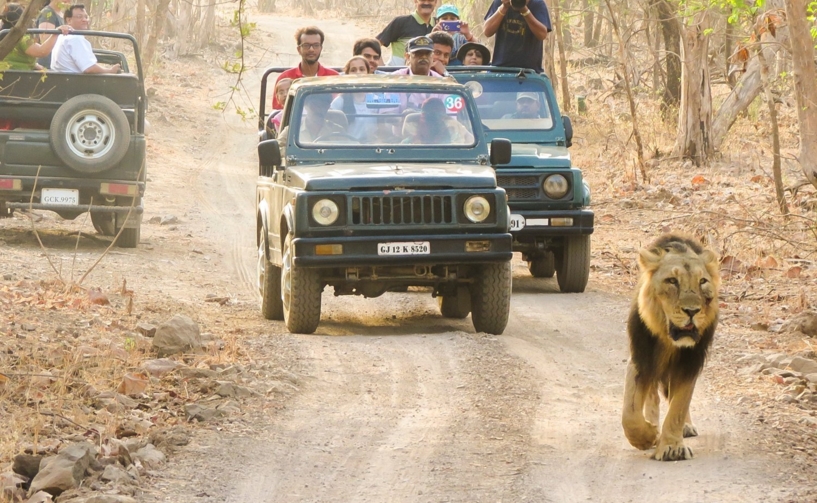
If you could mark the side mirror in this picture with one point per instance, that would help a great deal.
(269, 153)
(568, 130)
(500, 151)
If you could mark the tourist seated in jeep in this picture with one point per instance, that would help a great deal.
(75, 54)
(25, 53)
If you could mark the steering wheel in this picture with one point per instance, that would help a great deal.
(333, 134)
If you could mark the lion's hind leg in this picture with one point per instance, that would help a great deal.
(640, 432)
(689, 427)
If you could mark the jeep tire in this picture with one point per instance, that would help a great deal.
(90, 133)
(455, 306)
(301, 293)
(573, 265)
(491, 298)
(543, 266)
(269, 282)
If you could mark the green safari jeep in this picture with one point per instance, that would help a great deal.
(75, 143)
(375, 184)
(549, 201)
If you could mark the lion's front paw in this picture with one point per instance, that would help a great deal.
(690, 430)
(643, 436)
(672, 451)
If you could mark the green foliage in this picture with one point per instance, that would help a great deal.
(740, 10)
(220, 106)
(232, 66)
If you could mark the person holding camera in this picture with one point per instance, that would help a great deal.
(521, 27)
(448, 21)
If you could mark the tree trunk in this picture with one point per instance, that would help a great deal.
(19, 29)
(557, 28)
(597, 28)
(155, 33)
(805, 85)
(671, 30)
(588, 23)
(767, 91)
(695, 111)
(747, 88)
(626, 77)
(140, 22)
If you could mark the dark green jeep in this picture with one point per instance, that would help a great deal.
(375, 184)
(550, 220)
(75, 143)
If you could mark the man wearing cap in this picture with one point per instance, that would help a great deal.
(448, 13)
(310, 44)
(527, 107)
(403, 28)
(420, 51)
(520, 27)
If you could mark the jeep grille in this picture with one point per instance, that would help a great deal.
(380, 210)
(519, 186)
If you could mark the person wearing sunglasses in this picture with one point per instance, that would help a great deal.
(310, 44)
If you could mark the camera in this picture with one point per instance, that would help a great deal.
(519, 4)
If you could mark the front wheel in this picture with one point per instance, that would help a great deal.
(491, 298)
(269, 283)
(573, 267)
(301, 289)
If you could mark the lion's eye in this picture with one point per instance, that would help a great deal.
(704, 281)
(671, 281)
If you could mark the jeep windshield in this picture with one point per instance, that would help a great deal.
(383, 118)
(511, 104)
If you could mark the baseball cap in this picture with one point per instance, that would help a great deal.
(421, 43)
(448, 9)
(530, 96)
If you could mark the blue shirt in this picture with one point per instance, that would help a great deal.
(515, 43)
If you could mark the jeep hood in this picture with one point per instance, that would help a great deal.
(538, 156)
(352, 176)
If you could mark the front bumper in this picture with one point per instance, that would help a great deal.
(447, 249)
(539, 223)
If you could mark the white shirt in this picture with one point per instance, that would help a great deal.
(72, 53)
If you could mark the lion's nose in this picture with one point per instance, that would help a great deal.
(692, 312)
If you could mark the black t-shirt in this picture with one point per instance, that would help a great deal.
(402, 29)
(48, 15)
(515, 44)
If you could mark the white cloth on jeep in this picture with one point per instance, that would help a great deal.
(72, 53)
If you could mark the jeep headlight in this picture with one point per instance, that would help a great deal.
(325, 212)
(555, 186)
(477, 209)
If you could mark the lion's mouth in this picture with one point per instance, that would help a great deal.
(677, 333)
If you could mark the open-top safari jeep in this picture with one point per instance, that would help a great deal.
(549, 200)
(75, 143)
(395, 189)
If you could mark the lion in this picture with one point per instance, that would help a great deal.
(671, 325)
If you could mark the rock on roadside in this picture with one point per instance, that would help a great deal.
(179, 334)
(65, 470)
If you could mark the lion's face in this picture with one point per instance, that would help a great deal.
(678, 294)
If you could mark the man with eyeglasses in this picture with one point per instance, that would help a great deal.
(310, 44)
(73, 53)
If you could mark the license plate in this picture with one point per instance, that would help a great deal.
(60, 196)
(517, 222)
(412, 248)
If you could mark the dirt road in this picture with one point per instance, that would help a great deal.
(391, 402)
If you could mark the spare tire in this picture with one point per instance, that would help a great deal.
(90, 133)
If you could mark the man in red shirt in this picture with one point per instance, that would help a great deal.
(310, 44)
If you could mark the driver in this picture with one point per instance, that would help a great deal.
(527, 107)
(314, 121)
